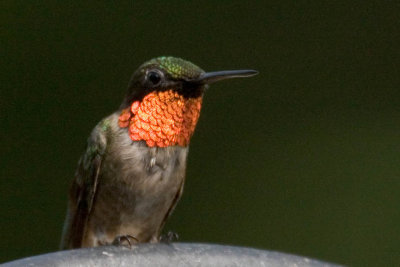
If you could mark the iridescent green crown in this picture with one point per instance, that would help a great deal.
(177, 68)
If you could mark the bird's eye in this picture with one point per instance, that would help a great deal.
(154, 77)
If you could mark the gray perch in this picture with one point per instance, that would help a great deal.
(174, 254)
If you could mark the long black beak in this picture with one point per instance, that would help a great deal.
(215, 76)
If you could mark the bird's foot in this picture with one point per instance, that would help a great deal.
(169, 237)
(121, 239)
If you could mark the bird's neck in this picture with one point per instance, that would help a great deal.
(162, 119)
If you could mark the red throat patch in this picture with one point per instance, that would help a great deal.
(162, 119)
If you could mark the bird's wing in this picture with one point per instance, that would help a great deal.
(172, 207)
(83, 190)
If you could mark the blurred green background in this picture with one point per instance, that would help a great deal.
(303, 158)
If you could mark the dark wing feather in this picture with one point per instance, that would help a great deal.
(83, 191)
(172, 207)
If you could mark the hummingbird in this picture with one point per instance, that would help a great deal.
(131, 175)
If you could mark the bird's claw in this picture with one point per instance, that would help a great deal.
(119, 240)
(169, 237)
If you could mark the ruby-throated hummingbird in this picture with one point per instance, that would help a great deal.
(131, 175)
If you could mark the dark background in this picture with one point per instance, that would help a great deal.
(303, 158)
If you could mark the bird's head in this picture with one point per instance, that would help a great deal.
(164, 99)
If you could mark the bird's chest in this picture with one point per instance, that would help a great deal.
(137, 181)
